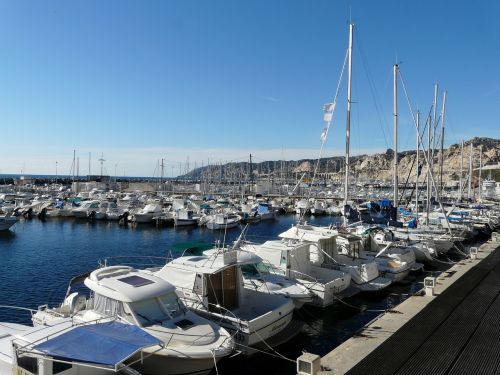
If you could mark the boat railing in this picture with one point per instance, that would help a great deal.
(136, 261)
(31, 311)
(227, 315)
(308, 278)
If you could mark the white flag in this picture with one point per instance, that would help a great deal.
(328, 109)
(324, 133)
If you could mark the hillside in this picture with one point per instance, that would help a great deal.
(376, 167)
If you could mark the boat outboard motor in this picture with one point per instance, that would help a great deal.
(28, 213)
(42, 214)
(123, 218)
(91, 215)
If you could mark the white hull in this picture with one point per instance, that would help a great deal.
(215, 226)
(7, 223)
(255, 333)
(161, 365)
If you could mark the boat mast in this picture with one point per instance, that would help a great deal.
(480, 169)
(395, 119)
(418, 164)
(469, 191)
(429, 169)
(348, 122)
(74, 166)
(461, 172)
(441, 160)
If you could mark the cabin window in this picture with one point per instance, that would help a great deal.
(28, 363)
(58, 367)
(107, 306)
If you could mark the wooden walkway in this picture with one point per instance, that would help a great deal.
(457, 333)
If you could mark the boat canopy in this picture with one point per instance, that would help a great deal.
(107, 344)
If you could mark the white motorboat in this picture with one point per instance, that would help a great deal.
(319, 207)
(257, 276)
(191, 344)
(392, 267)
(365, 275)
(222, 221)
(185, 217)
(376, 239)
(265, 211)
(302, 207)
(88, 208)
(293, 261)
(67, 348)
(7, 221)
(213, 287)
(146, 214)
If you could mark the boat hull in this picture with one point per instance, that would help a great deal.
(163, 365)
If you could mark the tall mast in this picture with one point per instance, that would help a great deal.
(480, 169)
(395, 118)
(418, 164)
(348, 122)
(460, 192)
(161, 175)
(429, 169)
(74, 165)
(469, 191)
(441, 160)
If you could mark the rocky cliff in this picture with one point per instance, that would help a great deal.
(376, 167)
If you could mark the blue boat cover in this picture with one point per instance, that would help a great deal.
(385, 202)
(263, 208)
(106, 344)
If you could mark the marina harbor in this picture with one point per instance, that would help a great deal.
(240, 188)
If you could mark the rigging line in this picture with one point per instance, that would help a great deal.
(264, 352)
(371, 84)
(272, 349)
(326, 129)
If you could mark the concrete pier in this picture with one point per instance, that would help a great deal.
(456, 330)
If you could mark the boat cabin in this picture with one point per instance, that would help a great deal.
(212, 280)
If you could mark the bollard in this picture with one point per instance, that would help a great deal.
(473, 252)
(308, 364)
(429, 285)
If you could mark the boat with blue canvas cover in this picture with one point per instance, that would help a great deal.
(191, 344)
(67, 348)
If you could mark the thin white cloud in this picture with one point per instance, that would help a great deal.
(269, 98)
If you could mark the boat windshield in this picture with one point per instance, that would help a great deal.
(249, 270)
(263, 268)
(149, 312)
(171, 303)
(156, 310)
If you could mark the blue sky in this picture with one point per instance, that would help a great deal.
(144, 80)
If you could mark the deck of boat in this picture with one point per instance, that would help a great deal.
(456, 333)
